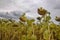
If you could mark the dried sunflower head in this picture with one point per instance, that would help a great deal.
(23, 19)
(57, 18)
(41, 11)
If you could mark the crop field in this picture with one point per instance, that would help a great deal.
(26, 29)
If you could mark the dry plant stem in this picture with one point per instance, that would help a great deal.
(49, 32)
(14, 35)
(32, 28)
(48, 28)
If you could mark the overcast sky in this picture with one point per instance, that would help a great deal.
(25, 5)
(30, 6)
(11, 4)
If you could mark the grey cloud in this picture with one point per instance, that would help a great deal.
(57, 6)
(5, 3)
(11, 15)
(51, 4)
(11, 4)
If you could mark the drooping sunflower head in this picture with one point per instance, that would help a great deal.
(57, 18)
(41, 11)
(23, 18)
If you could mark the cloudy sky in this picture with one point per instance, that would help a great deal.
(30, 6)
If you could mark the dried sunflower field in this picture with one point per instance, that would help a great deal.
(26, 29)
